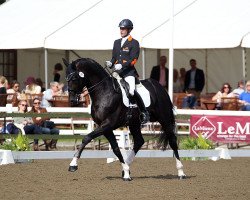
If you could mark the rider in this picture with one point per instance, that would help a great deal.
(125, 53)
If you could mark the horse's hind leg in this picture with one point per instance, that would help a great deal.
(112, 140)
(173, 144)
(135, 130)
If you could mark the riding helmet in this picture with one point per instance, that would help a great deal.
(126, 23)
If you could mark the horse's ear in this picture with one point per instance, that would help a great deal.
(65, 62)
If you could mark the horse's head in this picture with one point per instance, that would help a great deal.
(76, 82)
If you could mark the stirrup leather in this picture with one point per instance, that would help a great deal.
(144, 117)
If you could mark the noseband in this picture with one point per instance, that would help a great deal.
(73, 76)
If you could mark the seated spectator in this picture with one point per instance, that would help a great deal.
(31, 86)
(176, 82)
(240, 88)
(3, 85)
(40, 83)
(49, 94)
(3, 91)
(14, 89)
(244, 98)
(27, 123)
(225, 91)
(61, 87)
(189, 102)
(44, 122)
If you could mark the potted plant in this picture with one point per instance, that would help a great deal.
(196, 143)
(20, 143)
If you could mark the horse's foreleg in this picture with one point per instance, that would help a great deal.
(114, 145)
(94, 134)
(125, 167)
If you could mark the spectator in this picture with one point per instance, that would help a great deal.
(31, 86)
(240, 88)
(244, 98)
(176, 82)
(50, 93)
(14, 89)
(48, 126)
(27, 123)
(3, 91)
(189, 102)
(182, 78)
(40, 83)
(225, 91)
(61, 88)
(3, 85)
(194, 80)
(57, 72)
(160, 72)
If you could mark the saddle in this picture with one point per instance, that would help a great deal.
(143, 92)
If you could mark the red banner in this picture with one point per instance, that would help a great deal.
(225, 129)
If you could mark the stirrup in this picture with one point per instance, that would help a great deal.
(144, 117)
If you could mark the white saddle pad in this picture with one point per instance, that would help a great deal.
(144, 93)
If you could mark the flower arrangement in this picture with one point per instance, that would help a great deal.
(20, 143)
(196, 143)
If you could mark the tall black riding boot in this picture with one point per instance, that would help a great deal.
(144, 113)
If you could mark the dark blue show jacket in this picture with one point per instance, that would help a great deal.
(127, 56)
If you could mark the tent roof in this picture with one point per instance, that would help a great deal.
(92, 24)
(205, 24)
(27, 23)
(246, 40)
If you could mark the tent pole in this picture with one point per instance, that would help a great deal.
(244, 63)
(46, 67)
(143, 64)
(171, 53)
(206, 71)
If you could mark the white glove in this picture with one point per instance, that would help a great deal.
(118, 66)
(108, 64)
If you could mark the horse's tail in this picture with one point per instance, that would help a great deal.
(165, 116)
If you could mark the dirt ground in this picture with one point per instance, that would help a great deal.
(153, 178)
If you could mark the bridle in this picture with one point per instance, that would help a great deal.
(74, 76)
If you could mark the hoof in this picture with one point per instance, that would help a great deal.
(182, 177)
(72, 168)
(127, 179)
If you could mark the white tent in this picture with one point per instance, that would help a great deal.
(76, 24)
(246, 40)
(204, 24)
(26, 24)
(92, 25)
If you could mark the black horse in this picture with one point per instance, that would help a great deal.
(109, 112)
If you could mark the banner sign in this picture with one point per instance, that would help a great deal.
(225, 129)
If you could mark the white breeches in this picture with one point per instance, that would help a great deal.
(131, 81)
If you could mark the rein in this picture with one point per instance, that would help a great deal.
(93, 87)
